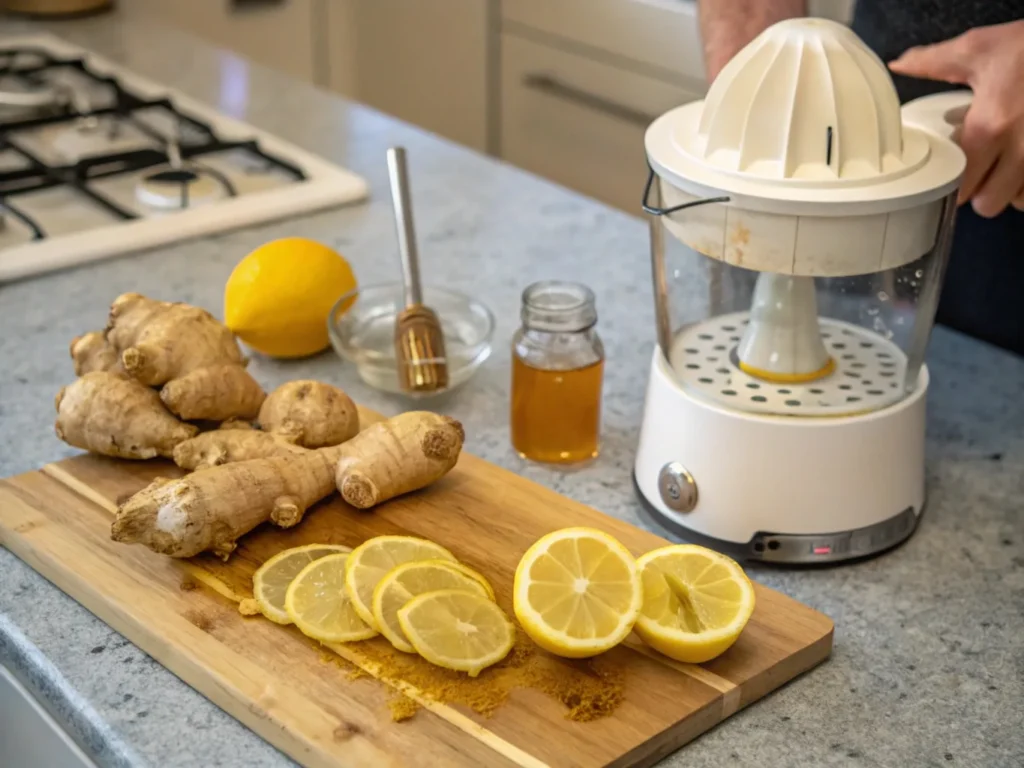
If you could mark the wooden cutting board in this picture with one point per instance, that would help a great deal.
(284, 686)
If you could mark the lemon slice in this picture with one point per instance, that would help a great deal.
(696, 602)
(406, 581)
(457, 630)
(465, 570)
(271, 580)
(577, 592)
(316, 601)
(371, 561)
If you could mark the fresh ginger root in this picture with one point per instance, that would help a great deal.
(214, 393)
(231, 444)
(402, 454)
(210, 510)
(109, 413)
(159, 341)
(238, 440)
(91, 352)
(316, 414)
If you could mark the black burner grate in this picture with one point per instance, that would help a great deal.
(126, 107)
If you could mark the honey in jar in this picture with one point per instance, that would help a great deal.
(557, 372)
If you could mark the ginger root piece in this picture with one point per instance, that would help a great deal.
(159, 341)
(402, 454)
(229, 445)
(317, 414)
(237, 424)
(214, 393)
(91, 352)
(109, 413)
(210, 510)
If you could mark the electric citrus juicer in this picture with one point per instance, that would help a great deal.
(800, 229)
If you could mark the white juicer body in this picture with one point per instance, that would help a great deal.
(781, 488)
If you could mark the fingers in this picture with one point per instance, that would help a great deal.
(1002, 185)
(947, 61)
(981, 142)
(1018, 201)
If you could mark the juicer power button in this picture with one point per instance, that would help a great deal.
(677, 487)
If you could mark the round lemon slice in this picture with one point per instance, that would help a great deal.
(478, 577)
(696, 602)
(457, 630)
(577, 592)
(371, 561)
(270, 581)
(406, 581)
(318, 604)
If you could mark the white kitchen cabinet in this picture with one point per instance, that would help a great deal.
(580, 121)
(29, 735)
(276, 33)
(661, 36)
(423, 61)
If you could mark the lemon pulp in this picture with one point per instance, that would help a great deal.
(696, 602)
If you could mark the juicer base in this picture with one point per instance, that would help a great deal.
(796, 549)
(784, 489)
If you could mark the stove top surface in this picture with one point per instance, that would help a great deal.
(95, 162)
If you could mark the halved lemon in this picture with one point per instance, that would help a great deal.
(271, 580)
(577, 592)
(318, 604)
(457, 630)
(406, 581)
(371, 561)
(696, 602)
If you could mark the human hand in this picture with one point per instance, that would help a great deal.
(991, 61)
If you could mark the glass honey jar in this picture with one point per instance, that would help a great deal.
(557, 373)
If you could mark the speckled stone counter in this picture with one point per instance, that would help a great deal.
(928, 668)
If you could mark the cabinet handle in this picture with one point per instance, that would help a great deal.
(246, 6)
(548, 85)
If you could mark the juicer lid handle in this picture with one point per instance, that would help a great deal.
(940, 114)
(655, 211)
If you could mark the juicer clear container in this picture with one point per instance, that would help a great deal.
(869, 331)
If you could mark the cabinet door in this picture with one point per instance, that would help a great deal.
(580, 122)
(423, 61)
(663, 35)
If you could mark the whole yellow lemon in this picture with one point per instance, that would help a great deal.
(279, 296)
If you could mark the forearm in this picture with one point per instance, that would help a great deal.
(728, 25)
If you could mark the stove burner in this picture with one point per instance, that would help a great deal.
(174, 188)
(76, 109)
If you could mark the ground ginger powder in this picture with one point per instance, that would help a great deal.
(588, 689)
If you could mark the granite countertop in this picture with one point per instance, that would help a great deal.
(928, 667)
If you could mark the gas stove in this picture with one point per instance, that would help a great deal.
(96, 162)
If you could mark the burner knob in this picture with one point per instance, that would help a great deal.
(677, 487)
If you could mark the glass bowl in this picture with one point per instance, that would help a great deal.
(362, 329)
